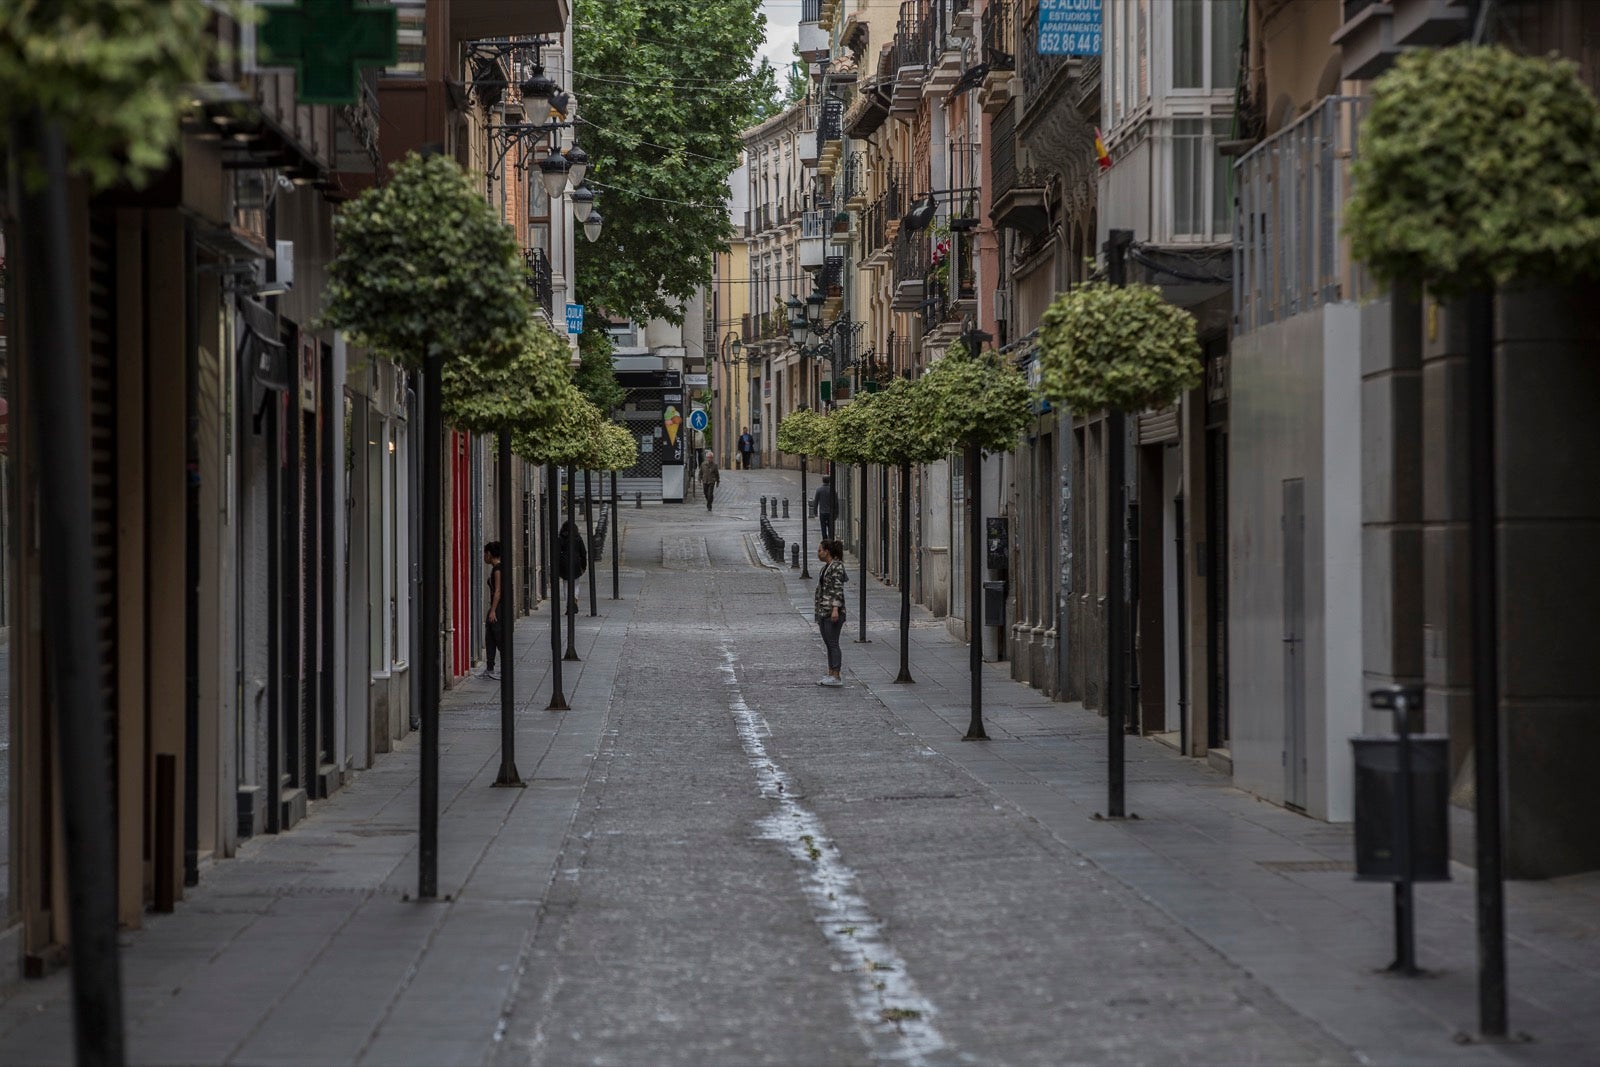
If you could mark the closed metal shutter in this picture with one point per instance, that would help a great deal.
(1158, 427)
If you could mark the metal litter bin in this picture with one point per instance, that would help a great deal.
(994, 603)
(1380, 846)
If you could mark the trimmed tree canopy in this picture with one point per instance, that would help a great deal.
(618, 449)
(595, 374)
(850, 426)
(567, 440)
(980, 400)
(426, 267)
(1122, 349)
(523, 394)
(1477, 166)
(902, 426)
(115, 73)
(805, 433)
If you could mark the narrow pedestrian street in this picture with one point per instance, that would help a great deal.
(716, 861)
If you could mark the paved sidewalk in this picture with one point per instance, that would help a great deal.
(1271, 890)
(307, 947)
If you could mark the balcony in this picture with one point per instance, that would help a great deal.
(944, 49)
(813, 240)
(830, 126)
(912, 261)
(850, 184)
(999, 55)
(1289, 254)
(1020, 197)
(909, 59)
(1375, 32)
(1038, 74)
(882, 220)
(870, 109)
(813, 36)
(806, 142)
(541, 280)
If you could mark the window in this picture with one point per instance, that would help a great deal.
(1205, 43)
(1202, 195)
(413, 39)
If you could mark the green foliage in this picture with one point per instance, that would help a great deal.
(595, 375)
(618, 449)
(980, 400)
(850, 426)
(1123, 349)
(426, 267)
(805, 433)
(571, 438)
(523, 394)
(902, 426)
(114, 72)
(797, 81)
(665, 88)
(1477, 166)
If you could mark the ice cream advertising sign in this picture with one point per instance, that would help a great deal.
(672, 421)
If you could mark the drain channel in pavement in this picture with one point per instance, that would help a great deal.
(895, 1016)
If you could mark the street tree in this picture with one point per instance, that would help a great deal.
(805, 433)
(1121, 348)
(94, 88)
(903, 430)
(981, 403)
(525, 395)
(426, 274)
(664, 87)
(1479, 168)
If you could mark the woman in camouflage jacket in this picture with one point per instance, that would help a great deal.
(830, 606)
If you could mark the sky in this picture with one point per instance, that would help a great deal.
(783, 31)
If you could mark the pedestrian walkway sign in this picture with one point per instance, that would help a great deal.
(574, 318)
(699, 420)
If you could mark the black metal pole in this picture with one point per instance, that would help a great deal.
(570, 570)
(432, 608)
(861, 563)
(1180, 539)
(588, 523)
(975, 588)
(507, 620)
(905, 576)
(1405, 938)
(191, 553)
(1116, 592)
(616, 535)
(558, 698)
(805, 509)
(1492, 1013)
(72, 659)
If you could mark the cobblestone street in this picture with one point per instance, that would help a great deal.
(716, 861)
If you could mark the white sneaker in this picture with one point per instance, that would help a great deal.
(824, 680)
(832, 683)
(492, 675)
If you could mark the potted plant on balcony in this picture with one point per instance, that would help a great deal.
(841, 222)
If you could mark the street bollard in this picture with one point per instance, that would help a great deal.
(786, 507)
(763, 507)
(794, 557)
(638, 500)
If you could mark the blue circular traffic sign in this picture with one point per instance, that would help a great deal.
(698, 419)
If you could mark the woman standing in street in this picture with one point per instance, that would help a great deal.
(830, 606)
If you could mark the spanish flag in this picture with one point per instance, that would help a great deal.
(1100, 150)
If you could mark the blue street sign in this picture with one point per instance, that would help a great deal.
(1069, 27)
(574, 318)
(698, 419)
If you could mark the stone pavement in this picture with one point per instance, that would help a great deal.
(718, 862)
(1270, 889)
(307, 948)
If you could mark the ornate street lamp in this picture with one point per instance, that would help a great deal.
(798, 325)
(553, 171)
(578, 164)
(582, 203)
(591, 225)
(537, 92)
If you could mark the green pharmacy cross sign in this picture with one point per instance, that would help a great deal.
(327, 42)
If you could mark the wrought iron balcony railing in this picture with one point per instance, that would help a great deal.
(1000, 35)
(541, 280)
(1035, 70)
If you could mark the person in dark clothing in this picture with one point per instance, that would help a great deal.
(493, 630)
(826, 503)
(572, 558)
(747, 445)
(710, 478)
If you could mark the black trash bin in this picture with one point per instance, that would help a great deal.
(994, 603)
(1378, 806)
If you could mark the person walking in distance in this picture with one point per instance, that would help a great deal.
(826, 503)
(829, 606)
(747, 445)
(493, 631)
(710, 475)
